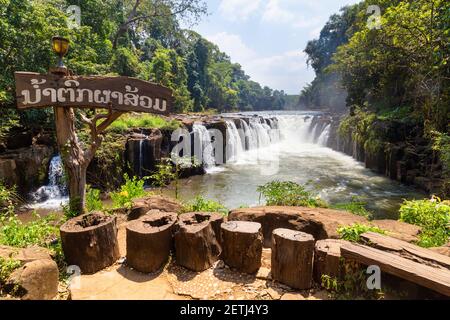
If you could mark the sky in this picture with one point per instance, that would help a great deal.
(267, 37)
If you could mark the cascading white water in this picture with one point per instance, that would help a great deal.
(203, 148)
(53, 194)
(262, 132)
(323, 138)
(234, 146)
(141, 156)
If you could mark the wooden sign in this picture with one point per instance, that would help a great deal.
(35, 90)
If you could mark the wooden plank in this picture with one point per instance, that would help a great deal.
(436, 279)
(34, 90)
(388, 243)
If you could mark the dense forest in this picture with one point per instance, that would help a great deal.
(395, 75)
(133, 38)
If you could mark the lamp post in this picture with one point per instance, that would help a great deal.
(60, 46)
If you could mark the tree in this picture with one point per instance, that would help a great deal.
(138, 11)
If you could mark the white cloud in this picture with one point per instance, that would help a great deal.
(233, 45)
(286, 70)
(238, 9)
(275, 13)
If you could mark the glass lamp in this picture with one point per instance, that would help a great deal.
(60, 46)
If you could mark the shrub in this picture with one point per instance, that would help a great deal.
(132, 189)
(355, 206)
(200, 204)
(7, 266)
(353, 232)
(433, 215)
(288, 193)
(8, 199)
(93, 202)
(43, 232)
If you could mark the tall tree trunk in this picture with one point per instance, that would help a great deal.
(72, 156)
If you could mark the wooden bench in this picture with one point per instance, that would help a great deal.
(431, 277)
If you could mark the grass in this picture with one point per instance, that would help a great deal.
(144, 121)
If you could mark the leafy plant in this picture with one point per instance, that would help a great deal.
(132, 189)
(93, 202)
(8, 199)
(353, 232)
(355, 206)
(200, 204)
(7, 266)
(288, 193)
(433, 215)
(164, 173)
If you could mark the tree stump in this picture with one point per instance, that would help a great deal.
(326, 258)
(90, 241)
(149, 241)
(292, 258)
(242, 245)
(196, 246)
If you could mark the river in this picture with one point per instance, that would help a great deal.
(299, 155)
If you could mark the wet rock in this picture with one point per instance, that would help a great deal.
(26, 168)
(19, 140)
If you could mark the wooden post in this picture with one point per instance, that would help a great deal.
(90, 241)
(242, 245)
(149, 241)
(292, 258)
(196, 247)
(326, 258)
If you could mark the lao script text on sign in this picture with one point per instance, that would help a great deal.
(35, 90)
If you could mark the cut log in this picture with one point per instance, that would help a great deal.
(90, 241)
(406, 249)
(196, 246)
(292, 258)
(327, 254)
(242, 245)
(433, 278)
(149, 241)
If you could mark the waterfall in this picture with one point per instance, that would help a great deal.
(262, 132)
(234, 145)
(55, 191)
(141, 156)
(323, 138)
(203, 148)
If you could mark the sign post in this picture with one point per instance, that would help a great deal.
(65, 92)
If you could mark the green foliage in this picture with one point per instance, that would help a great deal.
(441, 144)
(351, 284)
(127, 122)
(93, 202)
(288, 193)
(7, 266)
(40, 231)
(433, 215)
(8, 199)
(132, 189)
(355, 206)
(165, 173)
(200, 204)
(353, 232)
